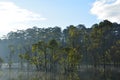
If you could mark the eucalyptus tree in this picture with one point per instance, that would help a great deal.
(73, 47)
(94, 47)
(52, 33)
(115, 53)
(105, 28)
(11, 55)
(100, 43)
(57, 33)
(40, 55)
(1, 61)
(53, 50)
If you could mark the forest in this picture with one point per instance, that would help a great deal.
(74, 52)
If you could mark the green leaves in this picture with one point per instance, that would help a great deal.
(53, 44)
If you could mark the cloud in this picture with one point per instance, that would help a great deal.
(107, 9)
(10, 13)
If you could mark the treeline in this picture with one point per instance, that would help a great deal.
(53, 49)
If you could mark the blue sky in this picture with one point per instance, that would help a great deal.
(61, 12)
(23, 14)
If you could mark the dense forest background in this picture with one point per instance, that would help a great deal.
(101, 39)
(46, 48)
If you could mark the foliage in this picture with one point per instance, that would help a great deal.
(52, 48)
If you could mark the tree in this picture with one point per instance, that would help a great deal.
(115, 53)
(10, 57)
(73, 47)
(40, 51)
(1, 61)
(53, 47)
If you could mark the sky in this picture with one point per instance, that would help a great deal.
(23, 14)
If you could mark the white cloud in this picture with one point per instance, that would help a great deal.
(10, 13)
(107, 9)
